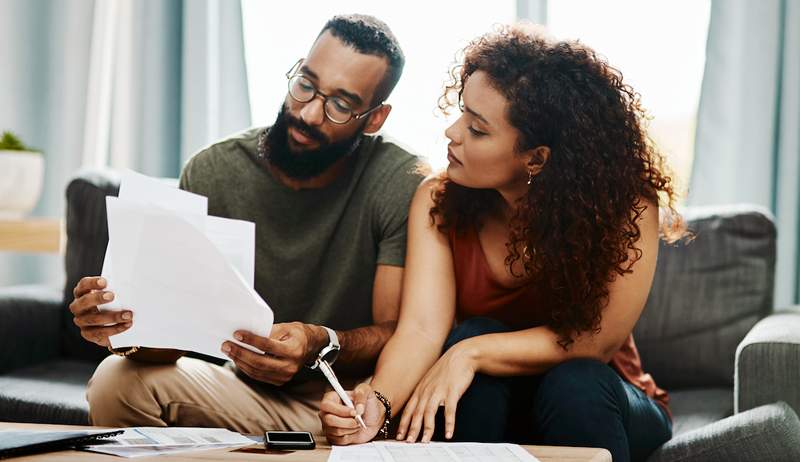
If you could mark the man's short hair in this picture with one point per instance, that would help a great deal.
(371, 36)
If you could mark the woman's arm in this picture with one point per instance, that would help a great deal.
(427, 311)
(534, 351)
(427, 308)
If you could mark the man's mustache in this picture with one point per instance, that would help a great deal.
(305, 129)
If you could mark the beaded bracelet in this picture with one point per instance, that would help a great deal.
(383, 433)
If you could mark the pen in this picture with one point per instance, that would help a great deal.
(328, 372)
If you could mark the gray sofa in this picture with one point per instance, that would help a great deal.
(709, 335)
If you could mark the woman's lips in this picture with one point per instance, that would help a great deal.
(452, 158)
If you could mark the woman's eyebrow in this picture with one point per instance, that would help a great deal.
(480, 117)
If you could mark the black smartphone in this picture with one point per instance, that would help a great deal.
(289, 440)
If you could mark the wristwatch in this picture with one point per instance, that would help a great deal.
(330, 352)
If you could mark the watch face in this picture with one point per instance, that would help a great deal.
(331, 355)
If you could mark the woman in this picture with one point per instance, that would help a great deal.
(539, 243)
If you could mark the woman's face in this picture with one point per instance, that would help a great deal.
(481, 151)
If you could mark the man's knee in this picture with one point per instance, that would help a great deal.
(117, 392)
(474, 327)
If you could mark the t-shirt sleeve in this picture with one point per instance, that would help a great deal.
(391, 211)
(186, 173)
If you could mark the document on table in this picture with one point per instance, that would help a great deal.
(151, 441)
(187, 276)
(430, 452)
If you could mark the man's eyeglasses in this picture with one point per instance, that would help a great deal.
(337, 109)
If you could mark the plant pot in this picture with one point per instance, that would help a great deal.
(21, 178)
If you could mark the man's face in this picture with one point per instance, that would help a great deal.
(303, 142)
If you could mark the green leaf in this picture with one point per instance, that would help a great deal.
(10, 142)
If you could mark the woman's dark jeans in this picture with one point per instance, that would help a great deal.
(581, 402)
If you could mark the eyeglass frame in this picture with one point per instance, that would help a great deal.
(295, 72)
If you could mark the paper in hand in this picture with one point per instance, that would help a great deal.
(187, 277)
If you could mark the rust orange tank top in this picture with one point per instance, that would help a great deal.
(479, 294)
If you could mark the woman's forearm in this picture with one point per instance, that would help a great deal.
(526, 352)
(405, 359)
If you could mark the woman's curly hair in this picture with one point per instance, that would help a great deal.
(575, 230)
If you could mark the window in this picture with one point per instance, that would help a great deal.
(275, 37)
(658, 46)
(660, 49)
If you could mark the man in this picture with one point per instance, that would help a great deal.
(330, 203)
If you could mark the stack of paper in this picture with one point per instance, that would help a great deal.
(152, 441)
(187, 276)
(390, 451)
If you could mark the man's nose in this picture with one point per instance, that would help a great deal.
(313, 112)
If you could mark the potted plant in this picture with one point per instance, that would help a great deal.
(21, 177)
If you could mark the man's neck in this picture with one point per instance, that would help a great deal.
(320, 181)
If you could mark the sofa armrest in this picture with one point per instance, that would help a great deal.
(30, 329)
(767, 362)
(770, 432)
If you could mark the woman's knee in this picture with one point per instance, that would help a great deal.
(578, 386)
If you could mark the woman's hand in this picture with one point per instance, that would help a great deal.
(443, 385)
(338, 420)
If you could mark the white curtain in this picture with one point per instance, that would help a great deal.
(116, 83)
(747, 146)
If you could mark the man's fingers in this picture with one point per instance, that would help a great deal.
(260, 367)
(103, 318)
(281, 331)
(251, 339)
(99, 335)
(90, 301)
(277, 347)
(256, 361)
(87, 284)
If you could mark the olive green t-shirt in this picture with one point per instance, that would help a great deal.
(316, 249)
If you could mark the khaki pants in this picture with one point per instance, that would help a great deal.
(195, 393)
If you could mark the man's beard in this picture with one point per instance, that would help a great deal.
(306, 164)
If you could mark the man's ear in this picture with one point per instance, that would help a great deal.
(377, 118)
(536, 159)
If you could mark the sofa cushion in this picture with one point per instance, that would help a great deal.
(692, 409)
(29, 325)
(52, 392)
(770, 432)
(706, 296)
(87, 237)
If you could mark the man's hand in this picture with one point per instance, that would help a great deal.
(97, 326)
(288, 348)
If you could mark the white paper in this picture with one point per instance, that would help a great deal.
(187, 277)
(145, 190)
(431, 452)
(236, 239)
(151, 441)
